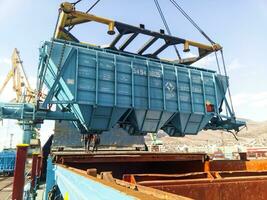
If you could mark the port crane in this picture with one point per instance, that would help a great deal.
(24, 94)
(21, 84)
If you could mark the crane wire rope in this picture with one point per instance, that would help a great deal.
(96, 2)
(219, 69)
(192, 21)
(166, 25)
(212, 42)
(229, 92)
(76, 2)
(197, 27)
(92, 6)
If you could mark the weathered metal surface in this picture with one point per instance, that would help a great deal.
(195, 177)
(188, 175)
(122, 156)
(102, 188)
(122, 162)
(210, 185)
(234, 165)
(151, 191)
(244, 188)
(137, 178)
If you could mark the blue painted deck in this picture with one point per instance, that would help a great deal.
(72, 185)
(87, 188)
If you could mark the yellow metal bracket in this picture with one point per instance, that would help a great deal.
(69, 17)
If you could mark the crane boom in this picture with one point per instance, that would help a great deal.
(24, 94)
(8, 77)
(17, 61)
(21, 84)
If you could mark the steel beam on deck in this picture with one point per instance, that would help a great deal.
(128, 157)
(139, 178)
(234, 165)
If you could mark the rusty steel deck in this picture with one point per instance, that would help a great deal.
(125, 156)
(207, 185)
(188, 175)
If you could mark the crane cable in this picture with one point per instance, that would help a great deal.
(197, 27)
(92, 6)
(229, 92)
(74, 4)
(220, 82)
(212, 42)
(166, 25)
(192, 21)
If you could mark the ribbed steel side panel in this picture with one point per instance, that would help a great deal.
(103, 88)
(7, 161)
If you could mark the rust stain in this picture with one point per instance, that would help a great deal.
(171, 176)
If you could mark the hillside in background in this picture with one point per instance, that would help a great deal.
(254, 135)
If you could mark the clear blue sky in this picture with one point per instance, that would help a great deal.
(239, 26)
